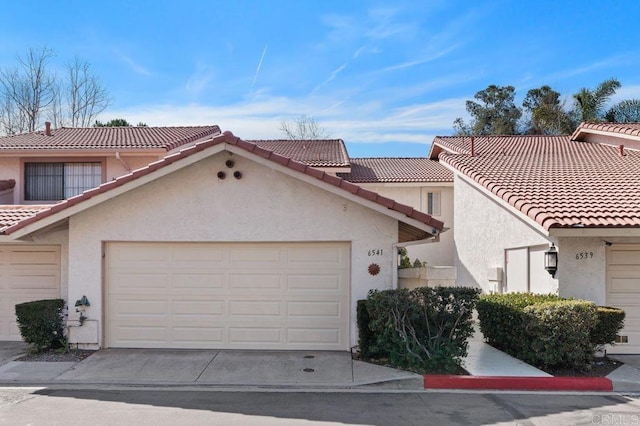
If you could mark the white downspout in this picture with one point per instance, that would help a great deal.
(126, 167)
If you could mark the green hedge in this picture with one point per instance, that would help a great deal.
(425, 329)
(546, 330)
(558, 333)
(610, 322)
(41, 323)
(501, 319)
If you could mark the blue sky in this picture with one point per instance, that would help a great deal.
(384, 76)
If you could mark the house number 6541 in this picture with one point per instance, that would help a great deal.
(375, 252)
(584, 255)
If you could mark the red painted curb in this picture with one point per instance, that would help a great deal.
(518, 383)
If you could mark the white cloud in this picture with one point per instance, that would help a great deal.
(131, 63)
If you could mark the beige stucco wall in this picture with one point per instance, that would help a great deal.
(192, 204)
(582, 278)
(10, 168)
(434, 253)
(484, 230)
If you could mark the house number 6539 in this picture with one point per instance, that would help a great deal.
(375, 252)
(584, 255)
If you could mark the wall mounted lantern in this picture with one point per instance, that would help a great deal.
(551, 260)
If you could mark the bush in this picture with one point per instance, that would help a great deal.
(41, 323)
(425, 329)
(558, 333)
(610, 322)
(546, 330)
(502, 321)
(366, 338)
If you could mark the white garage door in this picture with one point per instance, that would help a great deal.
(26, 273)
(228, 295)
(623, 291)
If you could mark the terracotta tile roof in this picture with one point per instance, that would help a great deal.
(109, 138)
(555, 181)
(380, 170)
(317, 152)
(7, 184)
(12, 214)
(229, 138)
(632, 129)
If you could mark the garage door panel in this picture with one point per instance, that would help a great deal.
(254, 308)
(260, 298)
(255, 335)
(313, 336)
(623, 291)
(264, 256)
(27, 273)
(198, 282)
(314, 309)
(319, 281)
(255, 281)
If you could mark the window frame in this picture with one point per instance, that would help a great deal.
(433, 211)
(64, 160)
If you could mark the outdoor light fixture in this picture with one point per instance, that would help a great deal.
(551, 260)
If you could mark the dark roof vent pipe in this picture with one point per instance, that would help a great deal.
(621, 150)
(47, 128)
(473, 146)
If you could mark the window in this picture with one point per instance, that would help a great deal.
(433, 203)
(58, 181)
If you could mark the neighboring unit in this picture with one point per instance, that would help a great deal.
(515, 196)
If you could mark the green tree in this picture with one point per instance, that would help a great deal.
(627, 111)
(117, 122)
(589, 104)
(494, 114)
(546, 113)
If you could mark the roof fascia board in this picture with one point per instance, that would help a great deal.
(584, 132)
(114, 192)
(332, 189)
(405, 184)
(594, 232)
(502, 203)
(80, 152)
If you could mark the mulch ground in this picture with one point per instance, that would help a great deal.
(600, 367)
(57, 355)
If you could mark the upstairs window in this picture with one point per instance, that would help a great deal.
(58, 181)
(433, 203)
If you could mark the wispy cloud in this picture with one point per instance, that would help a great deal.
(410, 64)
(199, 80)
(332, 77)
(131, 63)
(610, 62)
(255, 77)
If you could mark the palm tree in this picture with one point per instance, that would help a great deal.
(589, 104)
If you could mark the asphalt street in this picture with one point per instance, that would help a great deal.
(157, 406)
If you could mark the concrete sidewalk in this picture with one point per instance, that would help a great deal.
(303, 369)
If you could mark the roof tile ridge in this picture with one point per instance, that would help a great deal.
(204, 133)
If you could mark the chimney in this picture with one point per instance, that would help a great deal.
(473, 147)
(47, 128)
(621, 150)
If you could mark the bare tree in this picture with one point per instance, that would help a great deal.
(304, 127)
(29, 93)
(86, 96)
(27, 90)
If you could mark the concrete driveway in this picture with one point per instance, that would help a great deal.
(208, 367)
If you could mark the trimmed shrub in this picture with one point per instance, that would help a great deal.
(502, 321)
(610, 322)
(558, 333)
(41, 323)
(366, 338)
(424, 329)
